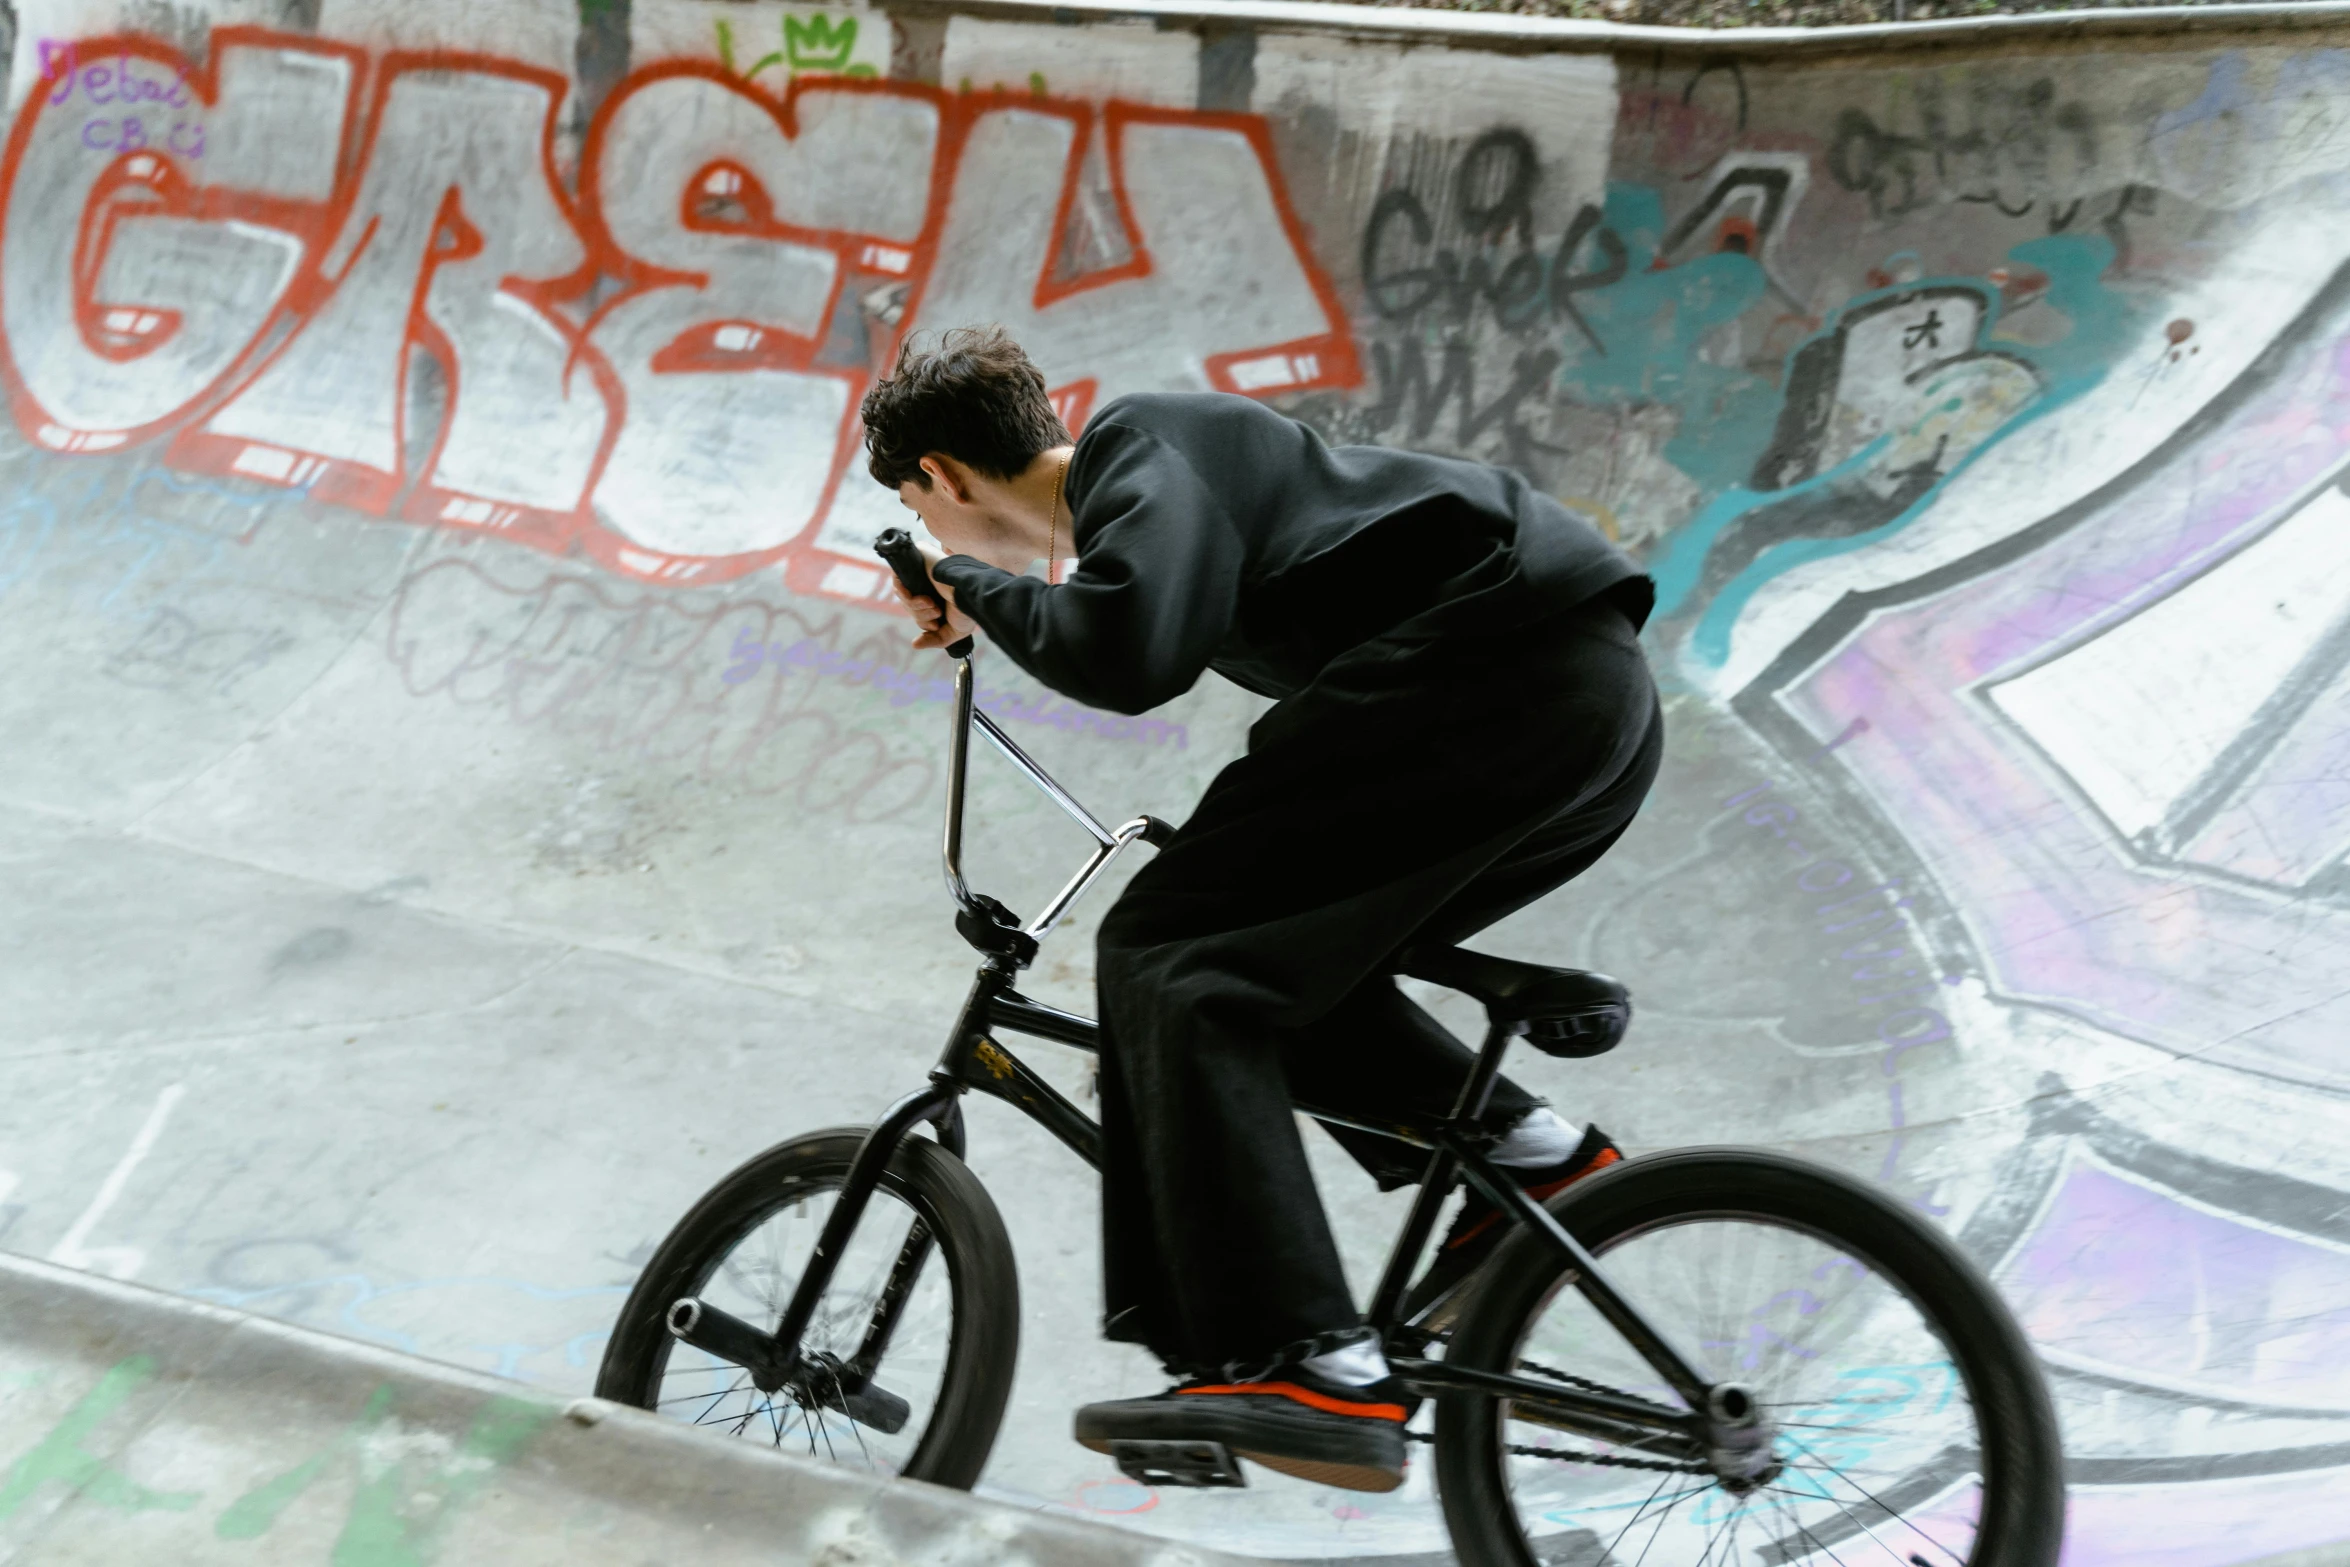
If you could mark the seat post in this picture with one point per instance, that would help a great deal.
(1479, 1088)
(1436, 1184)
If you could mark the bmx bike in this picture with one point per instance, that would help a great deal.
(1703, 1356)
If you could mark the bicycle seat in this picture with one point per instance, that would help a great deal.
(1565, 1012)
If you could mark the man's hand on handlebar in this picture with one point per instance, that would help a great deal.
(937, 630)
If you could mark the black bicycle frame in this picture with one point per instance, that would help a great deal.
(975, 1059)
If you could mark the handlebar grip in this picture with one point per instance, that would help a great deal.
(1156, 833)
(898, 551)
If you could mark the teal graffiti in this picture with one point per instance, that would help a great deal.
(365, 1296)
(255, 1513)
(2101, 324)
(1651, 324)
(407, 1493)
(62, 1458)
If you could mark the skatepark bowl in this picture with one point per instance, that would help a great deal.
(463, 787)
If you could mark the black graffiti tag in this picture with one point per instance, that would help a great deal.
(1402, 293)
(2003, 159)
(1405, 385)
(1495, 185)
(1565, 285)
(1407, 273)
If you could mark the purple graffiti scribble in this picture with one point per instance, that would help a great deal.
(2129, 1279)
(114, 83)
(107, 83)
(748, 655)
(2061, 912)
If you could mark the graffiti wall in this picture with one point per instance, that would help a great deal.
(432, 495)
(383, 278)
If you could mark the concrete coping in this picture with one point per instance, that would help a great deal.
(139, 1426)
(1507, 31)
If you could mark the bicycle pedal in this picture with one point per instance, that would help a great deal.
(1178, 1463)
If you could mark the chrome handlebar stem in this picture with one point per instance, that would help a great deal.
(1107, 842)
(958, 767)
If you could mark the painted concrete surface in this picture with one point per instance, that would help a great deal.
(142, 1426)
(458, 794)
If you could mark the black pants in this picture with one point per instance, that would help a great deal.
(1425, 785)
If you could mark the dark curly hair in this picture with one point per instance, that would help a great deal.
(975, 397)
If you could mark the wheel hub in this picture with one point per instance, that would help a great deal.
(1740, 1445)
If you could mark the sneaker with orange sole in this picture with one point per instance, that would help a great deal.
(1289, 1420)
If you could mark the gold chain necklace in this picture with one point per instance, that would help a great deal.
(1052, 527)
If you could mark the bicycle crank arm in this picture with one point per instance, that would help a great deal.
(731, 1339)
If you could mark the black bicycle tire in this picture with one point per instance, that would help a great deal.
(2022, 1523)
(984, 1335)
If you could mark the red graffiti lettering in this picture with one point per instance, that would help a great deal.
(375, 287)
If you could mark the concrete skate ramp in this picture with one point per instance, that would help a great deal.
(156, 1428)
(461, 793)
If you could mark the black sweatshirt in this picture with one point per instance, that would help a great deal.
(1214, 533)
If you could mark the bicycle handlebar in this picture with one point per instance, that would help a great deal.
(992, 927)
(903, 556)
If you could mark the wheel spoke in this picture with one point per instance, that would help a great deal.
(1817, 1543)
(1891, 1513)
(1662, 1518)
(1610, 1553)
(728, 1391)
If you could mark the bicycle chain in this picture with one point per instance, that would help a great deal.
(1561, 1455)
(1570, 1456)
(1572, 1380)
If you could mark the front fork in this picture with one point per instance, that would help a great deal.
(775, 1358)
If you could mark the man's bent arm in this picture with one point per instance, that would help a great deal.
(1153, 595)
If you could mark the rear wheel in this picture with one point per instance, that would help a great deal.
(946, 1373)
(1911, 1426)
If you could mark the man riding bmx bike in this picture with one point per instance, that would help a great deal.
(1464, 721)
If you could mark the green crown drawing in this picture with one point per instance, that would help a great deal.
(819, 44)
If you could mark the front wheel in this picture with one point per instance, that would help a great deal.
(1910, 1424)
(930, 1239)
